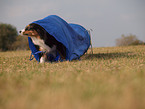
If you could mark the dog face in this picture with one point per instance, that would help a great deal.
(30, 31)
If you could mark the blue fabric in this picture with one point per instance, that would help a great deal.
(33, 50)
(74, 37)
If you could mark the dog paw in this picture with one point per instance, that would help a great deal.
(42, 60)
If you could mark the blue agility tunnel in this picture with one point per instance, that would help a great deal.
(74, 37)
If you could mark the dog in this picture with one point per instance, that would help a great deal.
(43, 41)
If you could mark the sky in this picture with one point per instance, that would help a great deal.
(108, 19)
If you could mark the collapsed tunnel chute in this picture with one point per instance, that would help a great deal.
(74, 37)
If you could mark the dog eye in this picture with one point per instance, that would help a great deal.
(28, 29)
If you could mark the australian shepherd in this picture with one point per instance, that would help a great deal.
(43, 41)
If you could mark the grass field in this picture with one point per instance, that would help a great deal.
(111, 78)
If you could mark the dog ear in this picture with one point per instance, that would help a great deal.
(41, 32)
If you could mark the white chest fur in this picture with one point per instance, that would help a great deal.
(41, 43)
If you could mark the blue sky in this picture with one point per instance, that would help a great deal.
(108, 19)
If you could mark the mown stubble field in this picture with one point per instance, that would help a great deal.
(111, 78)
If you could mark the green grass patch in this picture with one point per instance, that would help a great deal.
(111, 78)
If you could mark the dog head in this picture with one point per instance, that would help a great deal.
(31, 30)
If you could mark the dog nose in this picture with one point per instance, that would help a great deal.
(20, 31)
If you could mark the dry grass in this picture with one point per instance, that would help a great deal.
(111, 78)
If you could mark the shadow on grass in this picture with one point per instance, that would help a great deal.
(109, 55)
